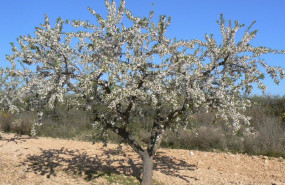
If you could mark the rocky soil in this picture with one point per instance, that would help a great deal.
(47, 161)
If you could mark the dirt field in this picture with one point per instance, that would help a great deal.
(55, 161)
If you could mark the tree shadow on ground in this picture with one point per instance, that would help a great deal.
(171, 167)
(74, 162)
(16, 138)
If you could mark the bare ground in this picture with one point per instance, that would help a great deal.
(48, 161)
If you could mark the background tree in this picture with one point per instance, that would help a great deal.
(134, 71)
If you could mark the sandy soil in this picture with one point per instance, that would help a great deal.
(25, 160)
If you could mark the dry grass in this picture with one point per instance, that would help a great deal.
(266, 136)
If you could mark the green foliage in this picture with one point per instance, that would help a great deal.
(267, 135)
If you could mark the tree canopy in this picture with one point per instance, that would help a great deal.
(134, 70)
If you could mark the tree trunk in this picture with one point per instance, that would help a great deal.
(147, 169)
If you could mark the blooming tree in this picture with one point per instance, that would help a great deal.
(134, 70)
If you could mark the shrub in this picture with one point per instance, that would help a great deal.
(5, 122)
(268, 140)
(266, 136)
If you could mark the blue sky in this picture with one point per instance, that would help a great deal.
(191, 19)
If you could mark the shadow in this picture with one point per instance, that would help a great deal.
(132, 168)
(16, 138)
(74, 162)
(171, 167)
(71, 161)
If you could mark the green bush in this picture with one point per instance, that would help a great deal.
(265, 136)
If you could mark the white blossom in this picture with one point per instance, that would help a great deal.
(124, 68)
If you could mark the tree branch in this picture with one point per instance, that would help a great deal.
(219, 64)
(121, 131)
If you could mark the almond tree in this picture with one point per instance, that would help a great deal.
(134, 70)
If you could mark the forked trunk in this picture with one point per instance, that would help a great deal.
(147, 169)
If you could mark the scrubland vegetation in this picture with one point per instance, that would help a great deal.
(135, 81)
(265, 135)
